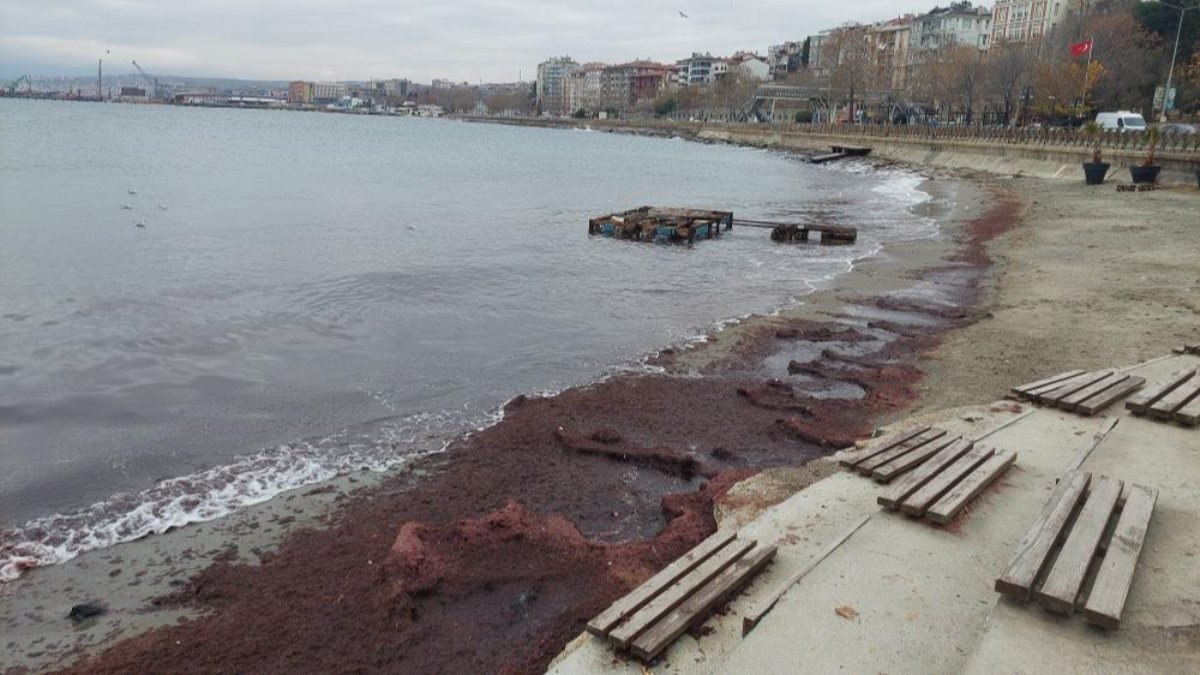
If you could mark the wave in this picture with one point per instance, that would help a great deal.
(219, 491)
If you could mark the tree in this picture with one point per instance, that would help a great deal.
(1009, 66)
(848, 55)
(964, 73)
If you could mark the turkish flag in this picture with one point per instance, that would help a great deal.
(1081, 48)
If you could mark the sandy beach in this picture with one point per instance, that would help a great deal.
(580, 496)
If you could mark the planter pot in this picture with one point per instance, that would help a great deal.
(1094, 173)
(1145, 174)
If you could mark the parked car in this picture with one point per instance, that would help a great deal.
(1177, 128)
(1122, 120)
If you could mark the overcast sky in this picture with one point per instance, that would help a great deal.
(489, 40)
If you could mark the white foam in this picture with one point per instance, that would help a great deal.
(219, 491)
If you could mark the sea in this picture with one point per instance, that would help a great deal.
(203, 308)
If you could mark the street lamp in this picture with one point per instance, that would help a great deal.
(1171, 71)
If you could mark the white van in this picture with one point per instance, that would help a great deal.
(1122, 120)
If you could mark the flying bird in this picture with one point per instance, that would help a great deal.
(131, 191)
(140, 223)
(682, 14)
(127, 207)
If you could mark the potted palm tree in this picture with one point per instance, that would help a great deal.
(1148, 171)
(1095, 170)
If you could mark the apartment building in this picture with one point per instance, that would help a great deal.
(552, 77)
(1028, 20)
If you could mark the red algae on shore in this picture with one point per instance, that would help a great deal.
(492, 555)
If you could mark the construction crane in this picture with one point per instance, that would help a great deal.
(16, 84)
(159, 91)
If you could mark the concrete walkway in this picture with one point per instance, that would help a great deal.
(920, 597)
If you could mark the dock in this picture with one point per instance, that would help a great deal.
(684, 226)
(840, 152)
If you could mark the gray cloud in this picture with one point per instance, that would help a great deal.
(490, 40)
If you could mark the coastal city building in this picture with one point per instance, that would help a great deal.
(889, 44)
(626, 84)
(785, 58)
(328, 92)
(749, 65)
(583, 88)
(958, 24)
(299, 92)
(1028, 20)
(552, 75)
(697, 69)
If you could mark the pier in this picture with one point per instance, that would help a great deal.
(840, 152)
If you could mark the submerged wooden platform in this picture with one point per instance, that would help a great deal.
(662, 225)
(684, 226)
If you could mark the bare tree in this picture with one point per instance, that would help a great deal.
(848, 53)
(1009, 66)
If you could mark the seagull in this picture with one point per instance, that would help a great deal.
(132, 191)
(162, 207)
(683, 15)
(140, 223)
(127, 207)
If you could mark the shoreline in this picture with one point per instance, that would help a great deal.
(658, 532)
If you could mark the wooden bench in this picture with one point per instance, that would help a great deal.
(1059, 553)
(1177, 397)
(1082, 392)
(648, 619)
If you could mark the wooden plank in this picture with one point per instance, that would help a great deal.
(944, 509)
(672, 596)
(919, 501)
(1061, 588)
(1110, 396)
(1071, 387)
(903, 450)
(868, 464)
(709, 597)
(1106, 601)
(898, 465)
(923, 474)
(1049, 380)
(1166, 406)
(1070, 402)
(1018, 578)
(879, 446)
(1139, 403)
(756, 612)
(1036, 392)
(638, 597)
(1189, 414)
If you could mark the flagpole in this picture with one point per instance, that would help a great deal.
(1086, 71)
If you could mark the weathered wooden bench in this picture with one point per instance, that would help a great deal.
(648, 619)
(1079, 391)
(1060, 551)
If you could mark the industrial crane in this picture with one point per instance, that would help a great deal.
(16, 84)
(159, 92)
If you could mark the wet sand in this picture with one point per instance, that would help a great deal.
(491, 555)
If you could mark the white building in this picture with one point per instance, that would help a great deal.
(750, 65)
(958, 24)
(328, 91)
(699, 69)
(583, 88)
(552, 76)
(1027, 20)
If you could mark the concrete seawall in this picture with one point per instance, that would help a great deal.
(1061, 161)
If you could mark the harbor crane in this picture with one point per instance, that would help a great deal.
(16, 84)
(159, 91)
